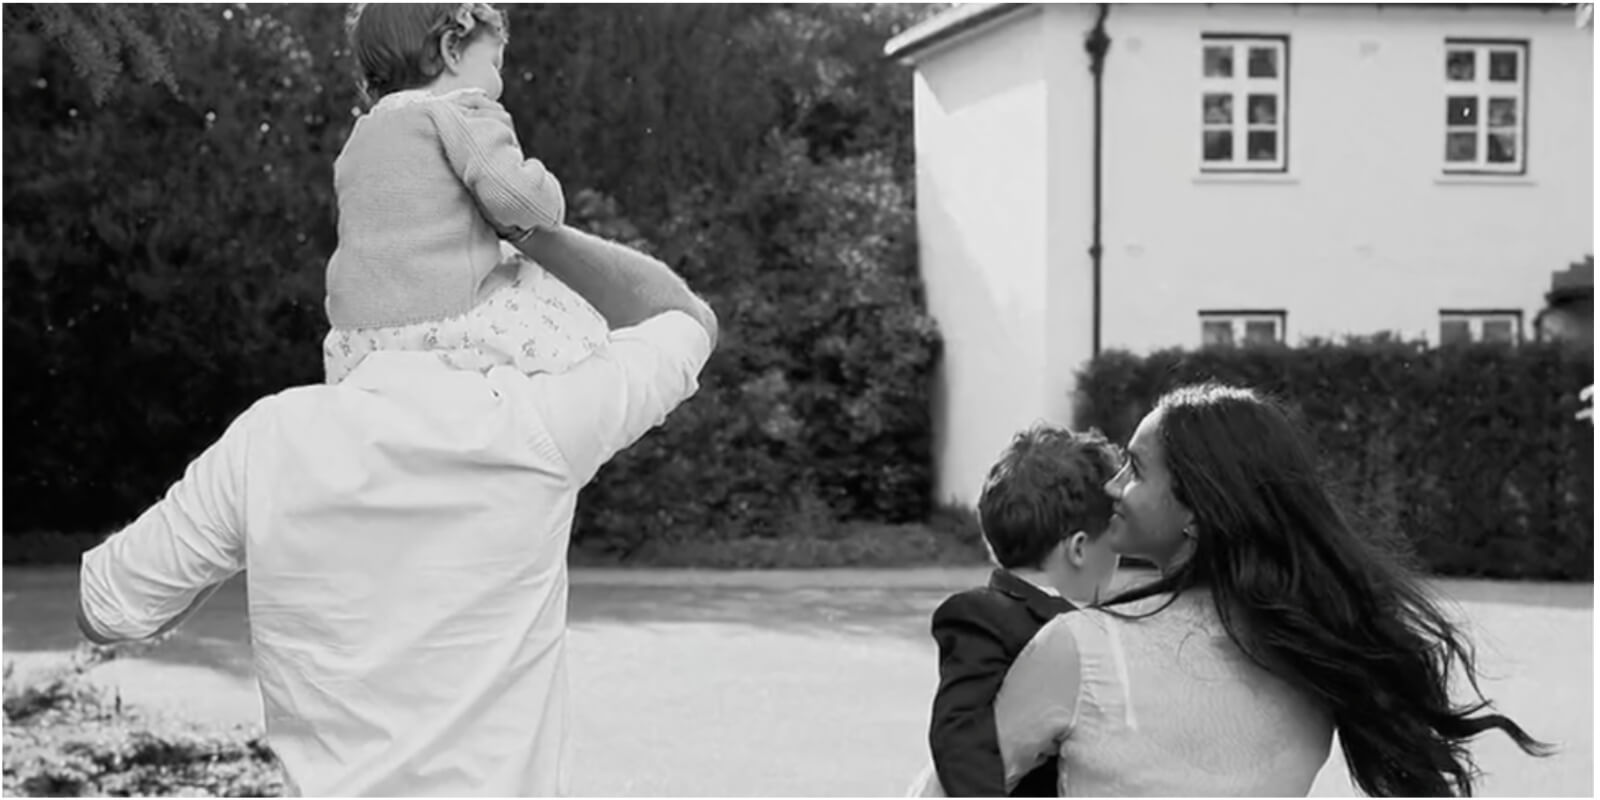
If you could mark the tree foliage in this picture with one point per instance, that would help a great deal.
(168, 214)
(106, 41)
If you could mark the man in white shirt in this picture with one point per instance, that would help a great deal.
(405, 534)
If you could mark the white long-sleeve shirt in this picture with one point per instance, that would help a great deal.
(405, 535)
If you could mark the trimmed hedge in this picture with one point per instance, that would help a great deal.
(1471, 453)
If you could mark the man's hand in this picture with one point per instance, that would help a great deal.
(1587, 396)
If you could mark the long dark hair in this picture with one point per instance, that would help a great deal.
(1338, 615)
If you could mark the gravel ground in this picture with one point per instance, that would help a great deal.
(808, 683)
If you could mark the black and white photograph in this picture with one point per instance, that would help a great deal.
(798, 399)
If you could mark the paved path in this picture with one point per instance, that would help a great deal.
(812, 683)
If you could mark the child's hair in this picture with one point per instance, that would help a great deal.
(1046, 486)
(397, 45)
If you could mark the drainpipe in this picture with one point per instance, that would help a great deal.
(1096, 42)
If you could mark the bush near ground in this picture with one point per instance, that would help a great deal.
(950, 537)
(66, 738)
(1471, 453)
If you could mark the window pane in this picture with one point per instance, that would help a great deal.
(1461, 146)
(1458, 65)
(1263, 109)
(1218, 109)
(1454, 331)
(1218, 145)
(1263, 62)
(1503, 147)
(1503, 65)
(1260, 331)
(1502, 111)
(1498, 330)
(1461, 111)
(1263, 145)
(1216, 332)
(1219, 61)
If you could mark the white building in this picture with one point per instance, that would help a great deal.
(1266, 172)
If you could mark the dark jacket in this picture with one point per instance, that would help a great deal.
(980, 632)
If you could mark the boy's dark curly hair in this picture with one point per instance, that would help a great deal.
(1048, 484)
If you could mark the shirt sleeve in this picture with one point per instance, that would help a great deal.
(961, 734)
(147, 574)
(516, 194)
(606, 402)
(1038, 702)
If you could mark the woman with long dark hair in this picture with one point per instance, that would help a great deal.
(1272, 625)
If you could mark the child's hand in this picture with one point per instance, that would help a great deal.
(476, 102)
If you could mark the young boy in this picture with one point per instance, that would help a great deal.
(1044, 514)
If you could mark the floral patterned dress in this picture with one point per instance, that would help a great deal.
(533, 323)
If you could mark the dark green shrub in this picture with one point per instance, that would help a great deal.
(868, 544)
(164, 253)
(816, 406)
(1471, 453)
(163, 260)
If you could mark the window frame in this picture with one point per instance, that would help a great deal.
(1239, 317)
(1475, 317)
(1240, 86)
(1482, 90)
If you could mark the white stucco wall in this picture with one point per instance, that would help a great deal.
(1364, 233)
(981, 124)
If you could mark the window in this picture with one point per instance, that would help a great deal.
(1485, 106)
(1244, 103)
(1228, 328)
(1463, 326)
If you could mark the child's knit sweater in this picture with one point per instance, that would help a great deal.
(426, 186)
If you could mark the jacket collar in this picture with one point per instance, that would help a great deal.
(1043, 605)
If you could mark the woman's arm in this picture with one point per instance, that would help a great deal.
(1038, 703)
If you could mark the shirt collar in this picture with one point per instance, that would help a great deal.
(1042, 602)
(388, 369)
(1047, 589)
